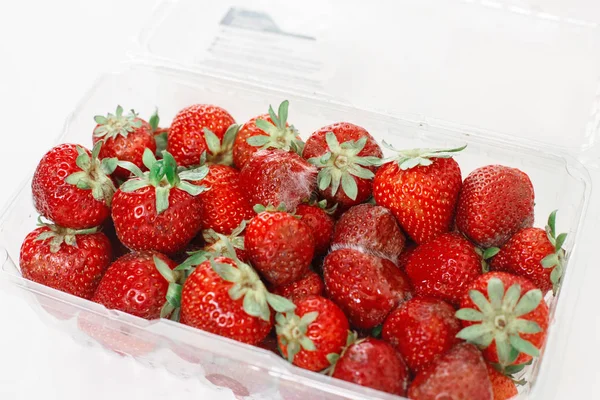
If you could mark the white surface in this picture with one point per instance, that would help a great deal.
(50, 53)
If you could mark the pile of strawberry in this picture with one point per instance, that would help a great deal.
(395, 274)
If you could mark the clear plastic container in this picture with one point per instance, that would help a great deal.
(330, 70)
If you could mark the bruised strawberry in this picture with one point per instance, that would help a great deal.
(125, 138)
(309, 284)
(320, 222)
(186, 139)
(421, 188)
(272, 177)
(365, 286)
(371, 228)
(495, 202)
(503, 387)
(268, 131)
(346, 155)
(72, 261)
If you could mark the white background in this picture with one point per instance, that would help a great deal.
(50, 53)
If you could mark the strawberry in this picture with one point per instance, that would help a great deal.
(309, 284)
(158, 210)
(495, 202)
(321, 223)
(268, 131)
(346, 156)
(409, 249)
(421, 188)
(374, 364)
(444, 267)
(535, 254)
(503, 387)
(422, 329)
(133, 284)
(125, 138)
(226, 297)
(72, 261)
(72, 187)
(272, 177)
(225, 205)
(161, 135)
(365, 286)
(459, 374)
(370, 228)
(186, 140)
(279, 246)
(506, 316)
(316, 329)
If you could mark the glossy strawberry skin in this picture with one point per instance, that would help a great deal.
(540, 315)
(320, 223)
(372, 228)
(495, 202)
(444, 267)
(63, 203)
(375, 364)
(74, 270)
(206, 305)
(423, 198)
(316, 146)
(224, 205)
(186, 135)
(132, 284)
(328, 332)
(365, 286)
(459, 374)
(523, 254)
(502, 386)
(309, 284)
(272, 177)
(279, 246)
(421, 330)
(139, 227)
(130, 148)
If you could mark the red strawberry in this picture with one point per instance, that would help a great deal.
(272, 177)
(279, 246)
(316, 329)
(422, 329)
(270, 344)
(409, 249)
(365, 286)
(309, 284)
(72, 187)
(506, 316)
(371, 228)
(125, 137)
(536, 254)
(495, 202)
(375, 364)
(226, 297)
(421, 188)
(65, 259)
(503, 387)
(158, 210)
(268, 131)
(186, 140)
(459, 374)
(444, 267)
(320, 222)
(346, 156)
(225, 205)
(133, 284)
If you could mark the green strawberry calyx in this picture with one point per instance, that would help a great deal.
(341, 165)
(486, 255)
(219, 151)
(333, 358)
(408, 159)
(116, 124)
(95, 173)
(59, 235)
(292, 332)
(279, 135)
(163, 175)
(322, 204)
(161, 135)
(176, 279)
(557, 259)
(499, 320)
